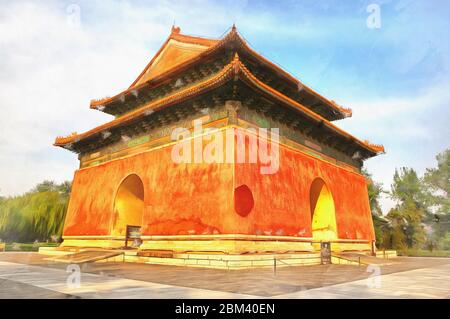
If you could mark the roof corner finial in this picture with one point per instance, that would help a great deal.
(233, 28)
(175, 29)
(236, 64)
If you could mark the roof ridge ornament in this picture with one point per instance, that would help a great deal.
(236, 63)
(345, 110)
(232, 34)
(65, 139)
(377, 147)
(175, 29)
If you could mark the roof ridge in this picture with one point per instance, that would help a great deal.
(175, 34)
(94, 103)
(193, 38)
(233, 34)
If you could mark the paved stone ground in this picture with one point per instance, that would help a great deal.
(17, 290)
(407, 277)
(419, 283)
(48, 279)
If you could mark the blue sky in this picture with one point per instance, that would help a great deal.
(395, 78)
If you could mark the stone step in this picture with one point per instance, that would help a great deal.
(86, 256)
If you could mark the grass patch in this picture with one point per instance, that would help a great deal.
(28, 246)
(424, 253)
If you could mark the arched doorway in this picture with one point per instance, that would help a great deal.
(322, 212)
(128, 205)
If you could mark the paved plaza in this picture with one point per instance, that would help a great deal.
(30, 275)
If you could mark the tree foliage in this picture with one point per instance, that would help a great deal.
(408, 215)
(375, 190)
(437, 183)
(420, 219)
(36, 215)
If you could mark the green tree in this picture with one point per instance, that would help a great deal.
(407, 217)
(36, 215)
(437, 183)
(395, 238)
(382, 228)
(381, 225)
(375, 190)
(45, 186)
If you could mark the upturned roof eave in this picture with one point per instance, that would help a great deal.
(230, 36)
(235, 68)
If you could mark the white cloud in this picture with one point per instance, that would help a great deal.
(413, 129)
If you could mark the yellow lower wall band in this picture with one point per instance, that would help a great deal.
(230, 245)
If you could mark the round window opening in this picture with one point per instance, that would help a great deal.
(243, 200)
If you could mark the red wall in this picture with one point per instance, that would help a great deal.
(282, 204)
(198, 198)
(179, 198)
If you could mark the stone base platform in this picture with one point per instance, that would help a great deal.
(230, 251)
(225, 261)
(220, 260)
(198, 259)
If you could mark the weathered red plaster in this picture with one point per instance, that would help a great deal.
(199, 198)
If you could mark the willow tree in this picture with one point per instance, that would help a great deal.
(36, 215)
